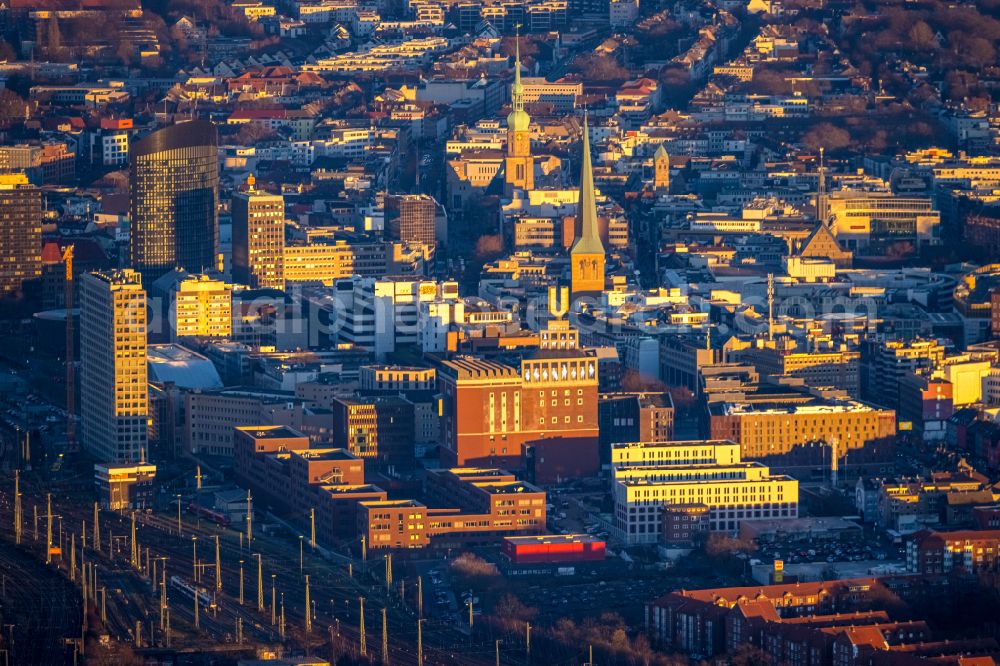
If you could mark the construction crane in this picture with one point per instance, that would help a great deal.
(70, 363)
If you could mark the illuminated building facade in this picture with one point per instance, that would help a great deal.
(174, 183)
(114, 397)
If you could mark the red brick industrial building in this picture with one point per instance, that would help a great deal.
(470, 505)
(541, 417)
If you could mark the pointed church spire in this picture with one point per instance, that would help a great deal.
(518, 90)
(589, 241)
(821, 196)
(822, 172)
(519, 166)
(518, 120)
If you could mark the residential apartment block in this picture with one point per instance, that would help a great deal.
(201, 306)
(20, 234)
(971, 551)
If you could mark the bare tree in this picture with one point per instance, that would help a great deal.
(828, 136)
(489, 247)
(600, 67)
(12, 106)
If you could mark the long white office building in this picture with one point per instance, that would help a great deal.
(648, 477)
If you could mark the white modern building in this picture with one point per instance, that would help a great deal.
(114, 398)
(647, 477)
(862, 218)
(381, 314)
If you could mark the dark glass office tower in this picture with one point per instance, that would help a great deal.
(174, 182)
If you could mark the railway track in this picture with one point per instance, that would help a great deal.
(132, 598)
(39, 609)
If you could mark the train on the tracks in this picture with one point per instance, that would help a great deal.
(209, 514)
(205, 600)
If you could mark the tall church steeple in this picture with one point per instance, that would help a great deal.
(587, 251)
(520, 165)
(822, 205)
(517, 90)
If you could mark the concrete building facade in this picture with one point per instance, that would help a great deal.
(258, 238)
(114, 394)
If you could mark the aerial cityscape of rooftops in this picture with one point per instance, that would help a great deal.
(500, 332)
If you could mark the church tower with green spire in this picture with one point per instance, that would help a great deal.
(587, 251)
(519, 165)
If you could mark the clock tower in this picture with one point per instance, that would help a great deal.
(519, 165)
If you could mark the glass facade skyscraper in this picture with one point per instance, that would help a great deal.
(174, 187)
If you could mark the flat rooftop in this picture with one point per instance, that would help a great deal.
(270, 432)
(263, 394)
(380, 400)
(547, 354)
(839, 407)
(646, 398)
(474, 472)
(507, 488)
(348, 489)
(123, 468)
(696, 467)
(802, 525)
(698, 482)
(673, 444)
(393, 504)
(327, 454)
(549, 539)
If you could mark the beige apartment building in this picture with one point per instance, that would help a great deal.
(202, 307)
(324, 263)
(776, 429)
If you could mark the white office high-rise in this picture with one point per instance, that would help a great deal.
(114, 395)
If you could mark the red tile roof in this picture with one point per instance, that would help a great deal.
(51, 254)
